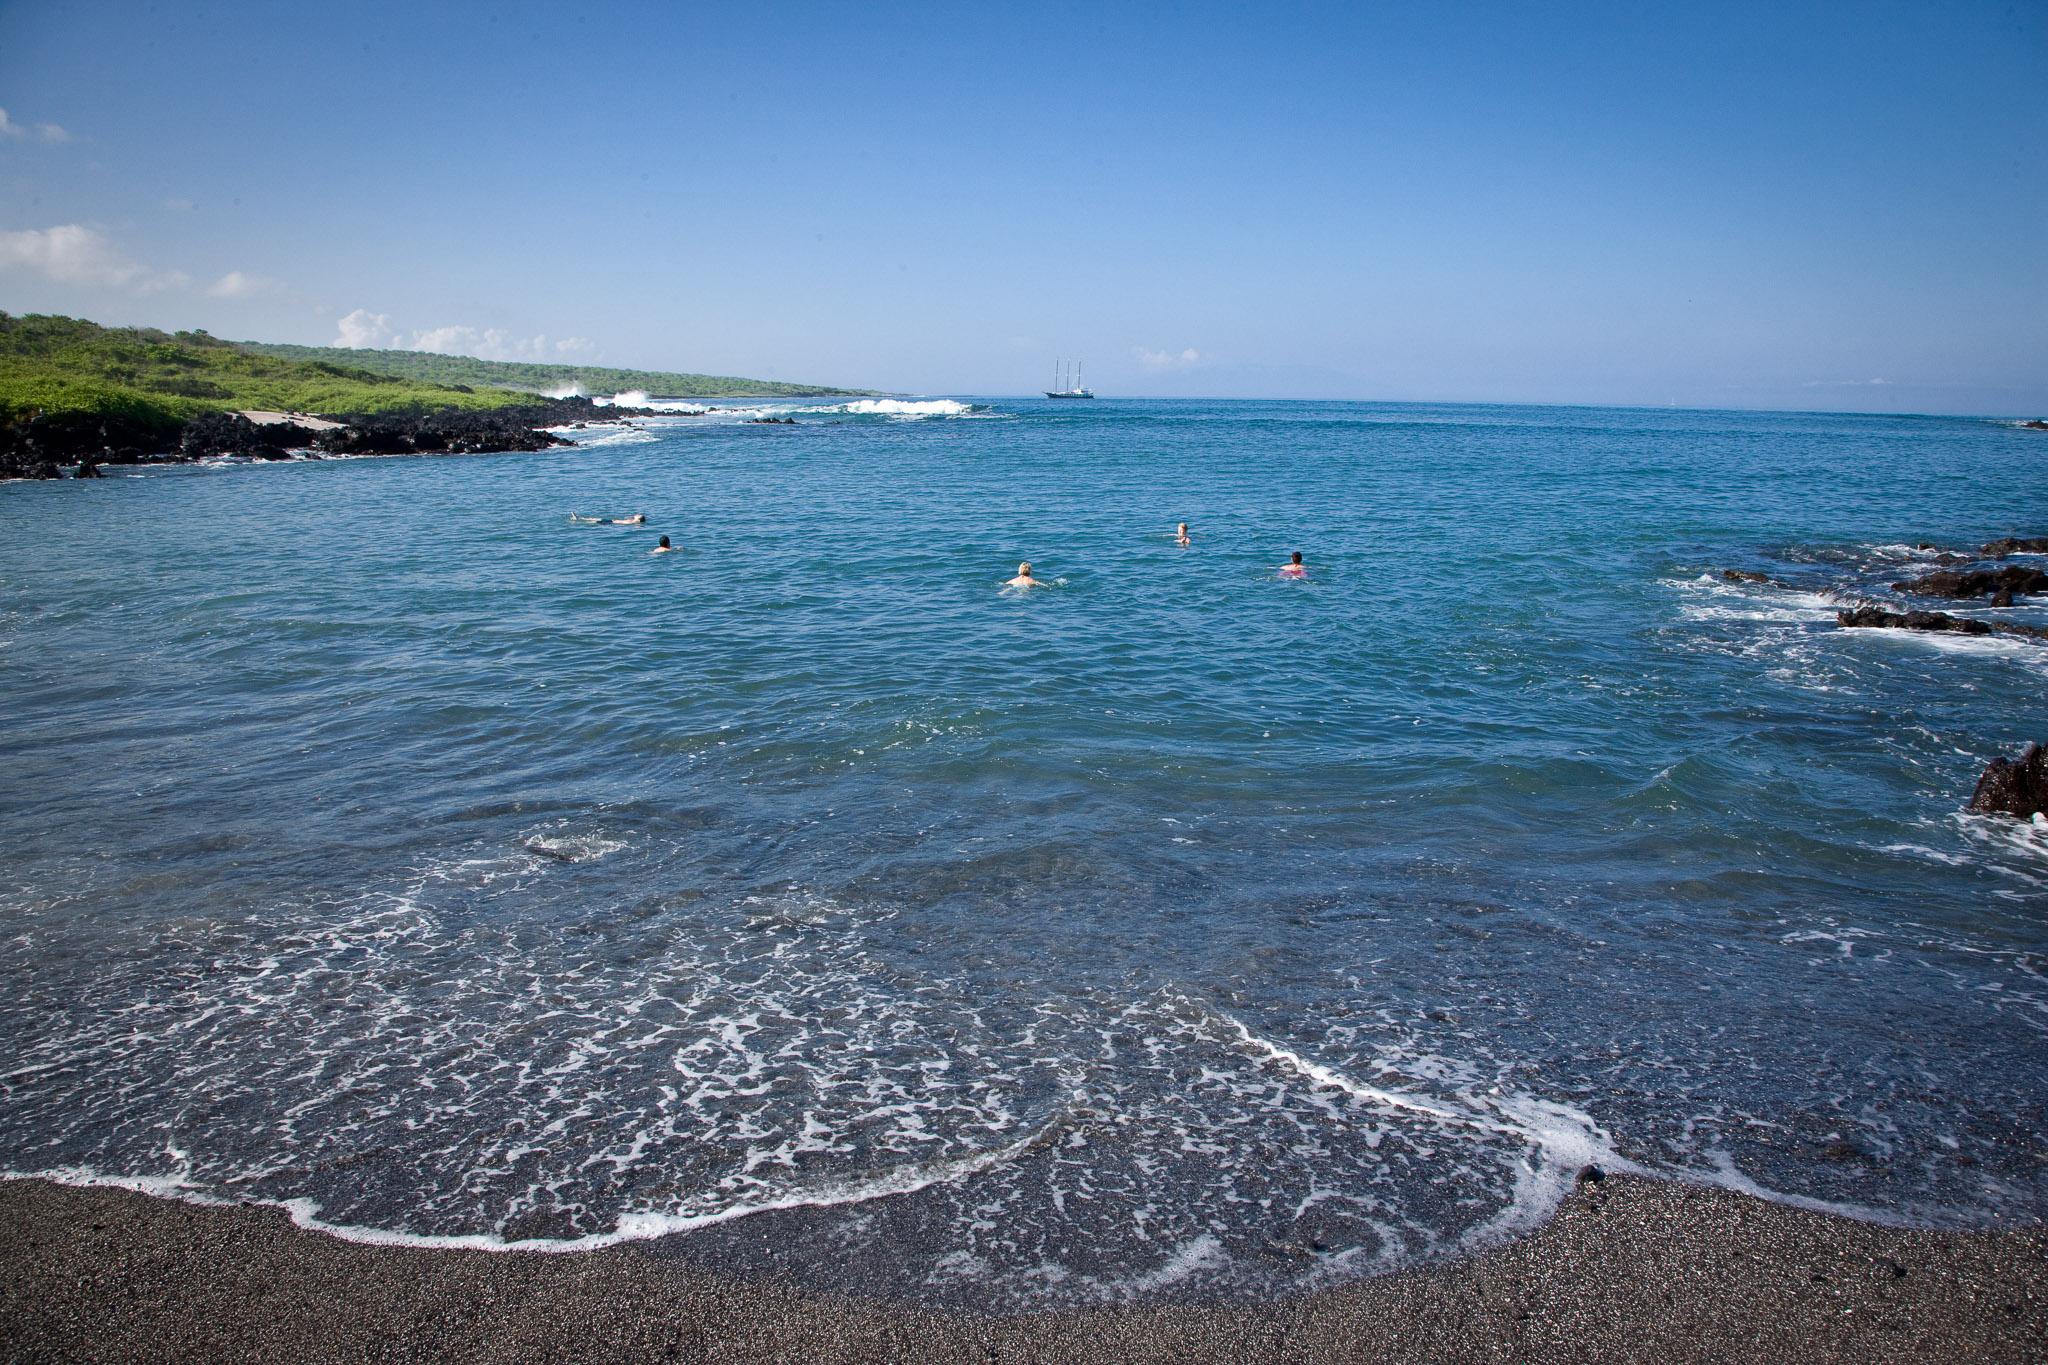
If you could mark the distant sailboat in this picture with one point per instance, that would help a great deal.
(1061, 388)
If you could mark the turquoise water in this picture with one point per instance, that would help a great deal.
(384, 845)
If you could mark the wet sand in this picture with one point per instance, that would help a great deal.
(1629, 1270)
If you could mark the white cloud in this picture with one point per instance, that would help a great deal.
(1166, 360)
(236, 285)
(71, 254)
(492, 344)
(42, 132)
(362, 329)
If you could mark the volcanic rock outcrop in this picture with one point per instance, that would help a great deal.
(230, 433)
(2014, 786)
(2017, 545)
(1974, 583)
(1877, 618)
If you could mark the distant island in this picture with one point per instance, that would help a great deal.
(75, 393)
(432, 368)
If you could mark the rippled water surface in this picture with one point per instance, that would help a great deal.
(380, 842)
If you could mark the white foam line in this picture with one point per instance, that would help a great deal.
(1324, 1076)
(631, 1227)
(1568, 1140)
(1726, 1176)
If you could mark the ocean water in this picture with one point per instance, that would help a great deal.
(384, 845)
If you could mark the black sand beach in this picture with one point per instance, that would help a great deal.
(1629, 1270)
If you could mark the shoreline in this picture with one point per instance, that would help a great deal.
(1627, 1269)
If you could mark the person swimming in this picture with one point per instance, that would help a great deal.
(637, 519)
(1024, 578)
(662, 548)
(1181, 537)
(1294, 568)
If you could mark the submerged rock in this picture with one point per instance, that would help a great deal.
(1745, 576)
(2014, 787)
(1877, 618)
(1976, 583)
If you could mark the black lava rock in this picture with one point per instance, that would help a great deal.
(1880, 619)
(230, 433)
(1976, 583)
(72, 437)
(454, 432)
(2017, 545)
(2014, 787)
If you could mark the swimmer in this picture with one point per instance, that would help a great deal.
(637, 519)
(1024, 578)
(1181, 537)
(662, 548)
(1294, 568)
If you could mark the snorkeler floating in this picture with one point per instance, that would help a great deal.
(637, 519)
(1292, 571)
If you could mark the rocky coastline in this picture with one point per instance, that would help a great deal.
(44, 447)
(2013, 787)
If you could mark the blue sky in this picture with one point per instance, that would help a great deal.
(1822, 207)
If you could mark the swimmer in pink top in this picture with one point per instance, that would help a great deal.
(1294, 567)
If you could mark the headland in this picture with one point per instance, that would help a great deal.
(77, 395)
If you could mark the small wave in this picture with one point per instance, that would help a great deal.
(903, 407)
(1725, 601)
(593, 437)
(631, 1227)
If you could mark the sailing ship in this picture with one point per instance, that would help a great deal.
(1061, 388)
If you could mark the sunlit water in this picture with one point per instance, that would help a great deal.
(383, 844)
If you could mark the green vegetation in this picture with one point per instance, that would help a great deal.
(430, 368)
(57, 365)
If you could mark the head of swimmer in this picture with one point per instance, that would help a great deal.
(1297, 558)
(1024, 569)
(664, 542)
